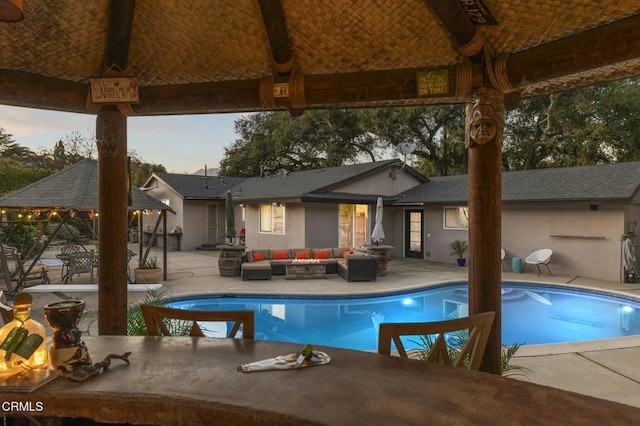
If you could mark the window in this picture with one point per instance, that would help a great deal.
(272, 218)
(456, 218)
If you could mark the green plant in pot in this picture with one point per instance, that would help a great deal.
(459, 249)
(148, 272)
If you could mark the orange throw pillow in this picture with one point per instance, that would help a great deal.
(321, 254)
(280, 254)
(257, 256)
(346, 252)
(303, 255)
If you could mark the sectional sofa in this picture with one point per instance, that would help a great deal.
(262, 264)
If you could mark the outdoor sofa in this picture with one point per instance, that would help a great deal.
(262, 264)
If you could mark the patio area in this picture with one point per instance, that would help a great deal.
(605, 369)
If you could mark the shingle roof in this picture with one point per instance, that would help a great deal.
(75, 188)
(602, 182)
(311, 183)
(198, 187)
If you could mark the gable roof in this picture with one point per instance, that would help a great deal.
(197, 187)
(314, 184)
(75, 187)
(612, 182)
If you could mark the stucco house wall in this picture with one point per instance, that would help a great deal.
(294, 235)
(321, 225)
(585, 242)
(385, 183)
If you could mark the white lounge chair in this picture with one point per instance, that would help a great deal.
(502, 256)
(540, 257)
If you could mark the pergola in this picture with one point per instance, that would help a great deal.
(118, 59)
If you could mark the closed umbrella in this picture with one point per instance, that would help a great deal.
(230, 218)
(378, 233)
(629, 256)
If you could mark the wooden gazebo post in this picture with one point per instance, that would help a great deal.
(484, 131)
(111, 137)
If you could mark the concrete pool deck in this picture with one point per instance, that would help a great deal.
(608, 369)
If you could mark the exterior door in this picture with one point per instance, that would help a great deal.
(212, 224)
(414, 233)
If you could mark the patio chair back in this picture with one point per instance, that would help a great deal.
(6, 311)
(80, 263)
(469, 350)
(70, 248)
(157, 318)
(540, 257)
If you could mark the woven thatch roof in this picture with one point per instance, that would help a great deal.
(73, 188)
(212, 55)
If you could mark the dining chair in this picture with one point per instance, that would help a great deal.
(155, 318)
(470, 350)
(65, 251)
(80, 263)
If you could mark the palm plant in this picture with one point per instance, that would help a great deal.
(135, 322)
(456, 340)
(458, 248)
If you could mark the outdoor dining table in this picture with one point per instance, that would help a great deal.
(186, 380)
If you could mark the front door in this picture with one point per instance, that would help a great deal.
(413, 238)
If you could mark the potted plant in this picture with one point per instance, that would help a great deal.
(459, 249)
(148, 272)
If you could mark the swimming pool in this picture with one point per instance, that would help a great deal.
(531, 314)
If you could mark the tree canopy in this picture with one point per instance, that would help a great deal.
(20, 166)
(590, 125)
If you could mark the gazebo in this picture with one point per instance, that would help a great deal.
(72, 191)
(119, 59)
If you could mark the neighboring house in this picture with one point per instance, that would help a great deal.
(580, 213)
(199, 203)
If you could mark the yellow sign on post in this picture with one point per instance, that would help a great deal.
(433, 83)
(114, 90)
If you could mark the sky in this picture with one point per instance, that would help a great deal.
(183, 144)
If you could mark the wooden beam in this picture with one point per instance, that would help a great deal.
(120, 24)
(35, 91)
(199, 98)
(276, 26)
(320, 91)
(456, 25)
(610, 44)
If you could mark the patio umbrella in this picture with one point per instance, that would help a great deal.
(378, 233)
(629, 256)
(230, 218)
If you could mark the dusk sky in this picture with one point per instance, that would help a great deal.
(183, 144)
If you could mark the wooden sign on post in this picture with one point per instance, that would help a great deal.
(114, 90)
(433, 83)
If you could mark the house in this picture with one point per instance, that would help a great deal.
(286, 209)
(581, 213)
(328, 207)
(199, 205)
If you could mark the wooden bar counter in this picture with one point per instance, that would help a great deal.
(187, 381)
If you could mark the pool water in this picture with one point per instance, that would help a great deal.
(531, 314)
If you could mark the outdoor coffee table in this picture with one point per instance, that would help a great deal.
(305, 270)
